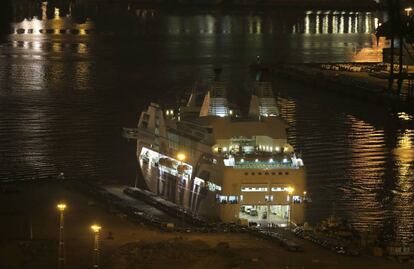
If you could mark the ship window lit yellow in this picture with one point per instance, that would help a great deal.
(224, 149)
(277, 148)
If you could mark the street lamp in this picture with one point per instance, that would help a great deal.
(181, 156)
(61, 258)
(96, 229)
(408, 10)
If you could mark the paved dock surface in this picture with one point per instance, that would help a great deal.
(244, 251)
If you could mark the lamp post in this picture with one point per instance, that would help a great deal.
(61, 259)
(96, 229)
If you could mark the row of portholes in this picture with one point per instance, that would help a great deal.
(54, 31)
(265, 173)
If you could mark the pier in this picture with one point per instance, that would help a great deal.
(361, 85)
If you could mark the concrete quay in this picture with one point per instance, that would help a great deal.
(363, 86)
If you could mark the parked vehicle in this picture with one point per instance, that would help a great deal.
(253, 212)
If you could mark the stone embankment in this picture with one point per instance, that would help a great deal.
(363, 86)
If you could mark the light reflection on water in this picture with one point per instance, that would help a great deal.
(364, 174)
(323, 36)
(402, 202)
(305, 22)
(359, 160)
(67, 88)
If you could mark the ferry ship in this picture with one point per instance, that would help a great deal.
(216, 164)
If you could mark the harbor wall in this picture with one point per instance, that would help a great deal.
(362, 89)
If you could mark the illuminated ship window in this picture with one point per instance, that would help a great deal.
(297, 199)
(213, 187)
(280, 189)
(261, 189)
(221, 199)
(232, 199)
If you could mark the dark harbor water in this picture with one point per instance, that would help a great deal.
(72, 76)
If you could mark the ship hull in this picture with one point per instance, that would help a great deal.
(171, 179)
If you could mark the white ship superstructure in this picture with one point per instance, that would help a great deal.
(221, 166)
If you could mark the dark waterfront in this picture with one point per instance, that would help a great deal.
(69, 84)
